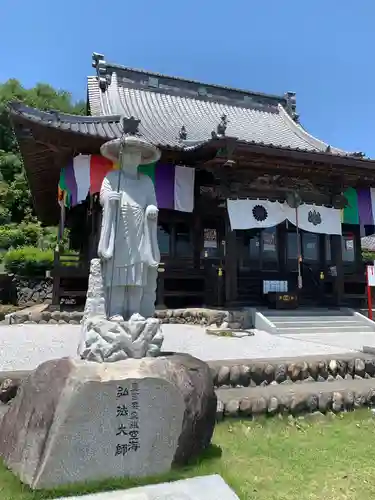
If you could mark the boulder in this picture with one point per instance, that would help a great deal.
(223, 376)
(273, 405)
(8, 390)
(359, 367)
(245, 407)
(245, 375)
(337, 401)
(193, 378)
(235, 375)
(232, 408)
(280, 373)
(370, 367)
(75, 421)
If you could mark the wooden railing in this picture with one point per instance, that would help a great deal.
(178, 281)
(70, 275)
(204, 285)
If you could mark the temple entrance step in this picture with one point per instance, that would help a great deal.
(314, 320)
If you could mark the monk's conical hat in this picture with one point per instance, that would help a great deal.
(149, 153)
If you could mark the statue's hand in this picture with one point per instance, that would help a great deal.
(114, 196)
(152, 212)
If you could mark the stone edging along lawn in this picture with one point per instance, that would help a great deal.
(268, 401)
(340, 394)
(325, 397)
(240, 319)
(263, 373)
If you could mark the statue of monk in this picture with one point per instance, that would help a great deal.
(128, 245)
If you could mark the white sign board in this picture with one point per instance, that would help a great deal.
(371, 275)
(274, 286)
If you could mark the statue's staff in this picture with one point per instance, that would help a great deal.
(122, 147)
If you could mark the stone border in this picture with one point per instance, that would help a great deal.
(297, 403)
(311, 405)
(266, 402)
(235, 320)
(264, 373)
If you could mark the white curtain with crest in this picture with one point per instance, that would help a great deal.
(251, 214)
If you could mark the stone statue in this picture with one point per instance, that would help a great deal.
(118, 320)
(128, 243)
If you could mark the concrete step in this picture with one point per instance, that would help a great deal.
(310, 312)
(301, 330)
(312, 319)
(315, 324)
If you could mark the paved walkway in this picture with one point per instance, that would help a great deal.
(23, 347)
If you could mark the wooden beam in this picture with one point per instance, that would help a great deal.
(231, 286)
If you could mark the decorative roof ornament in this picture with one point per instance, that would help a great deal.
(222, 126)
(328, 149)
(291, 105)
(182, 134)
(130, 126)
(358, 154)
(100, 64)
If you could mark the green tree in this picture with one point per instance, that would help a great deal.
(15, 199)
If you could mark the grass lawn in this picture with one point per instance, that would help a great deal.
(269, 459)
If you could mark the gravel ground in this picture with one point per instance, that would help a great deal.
(23, 347)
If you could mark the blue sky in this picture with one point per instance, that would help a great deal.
(321, 49)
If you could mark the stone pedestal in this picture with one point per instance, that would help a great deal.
(103, 340)
(75, 421)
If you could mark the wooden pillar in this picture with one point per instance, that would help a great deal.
(281, 240)
(231, 287)
(160, 288)
(338, 280)
(56, 277)
(197, 239)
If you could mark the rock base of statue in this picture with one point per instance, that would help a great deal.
(103, 340)
(107, 341)
(75, 421)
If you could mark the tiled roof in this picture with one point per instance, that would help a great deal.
(368, 243)
(104, 127)
(165, 104)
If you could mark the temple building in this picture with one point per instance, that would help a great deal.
(249, 202)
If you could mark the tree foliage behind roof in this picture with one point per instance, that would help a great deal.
(15, 200)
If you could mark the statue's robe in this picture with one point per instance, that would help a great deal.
(127, 235)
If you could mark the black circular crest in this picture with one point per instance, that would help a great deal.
(314, 217)
(260, 213)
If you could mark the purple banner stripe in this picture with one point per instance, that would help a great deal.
(164, 185)
(71, 183)
(365, 206)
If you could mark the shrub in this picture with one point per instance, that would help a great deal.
(31, 233)
(14, 236)
(48, 238)
(28, 261)
(368, 256)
